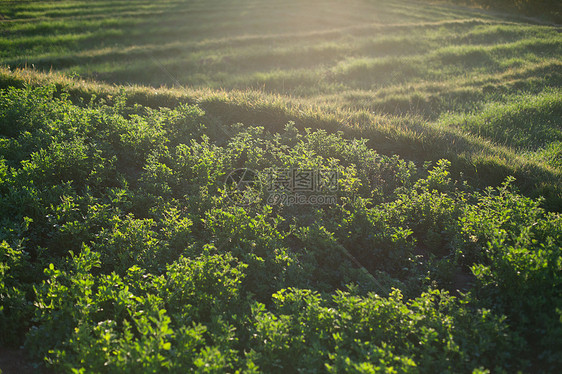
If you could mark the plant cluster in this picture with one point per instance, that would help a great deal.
(120, 250)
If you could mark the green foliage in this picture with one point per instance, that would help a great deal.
(14, 308)
(521, 276)
(122, 252)
(93, 323)
(369, 334)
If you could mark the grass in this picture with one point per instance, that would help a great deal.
(404, 74)
(120, 250)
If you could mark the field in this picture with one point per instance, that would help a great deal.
(122, 249)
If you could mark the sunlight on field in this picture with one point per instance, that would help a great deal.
(392, 68)
(279, 186)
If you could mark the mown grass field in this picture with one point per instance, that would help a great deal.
(121, 251)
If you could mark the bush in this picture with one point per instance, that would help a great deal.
(121, 251)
